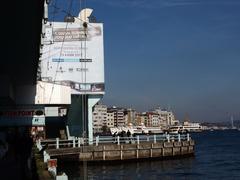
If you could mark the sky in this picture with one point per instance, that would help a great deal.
(183, 55)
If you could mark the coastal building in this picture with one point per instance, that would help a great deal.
(110, 119)
(130, 116)
(167, 118)
(145, 119)
(118, 115)
(140, 119)
(99, 118)
(154, 119)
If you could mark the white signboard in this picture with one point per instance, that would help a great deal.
(38, 121)
(73, 55)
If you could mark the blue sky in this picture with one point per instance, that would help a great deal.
(178, 54)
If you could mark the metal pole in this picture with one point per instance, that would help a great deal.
(179, 138)
(137, 139)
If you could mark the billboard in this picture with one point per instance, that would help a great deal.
(73, 56)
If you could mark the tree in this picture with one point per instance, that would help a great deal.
(105, 129)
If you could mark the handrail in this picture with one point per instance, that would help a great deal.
(78, 142)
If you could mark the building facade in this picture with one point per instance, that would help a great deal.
(167, 118)
(100, 117)
(130, 116)
(119, 119)
(110, 119)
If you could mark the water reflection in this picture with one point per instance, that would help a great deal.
(152, 170)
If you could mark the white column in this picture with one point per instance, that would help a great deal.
(92, 100)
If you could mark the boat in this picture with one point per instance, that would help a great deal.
(137, 130)
(185, 128)
(178, 129)
(192, 127)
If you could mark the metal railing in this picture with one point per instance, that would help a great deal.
(75, 142)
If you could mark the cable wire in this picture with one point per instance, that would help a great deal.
(55, 76)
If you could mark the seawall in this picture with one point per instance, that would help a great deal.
(122, 152)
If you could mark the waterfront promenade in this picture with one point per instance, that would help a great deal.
(216, 156)
(120, 149)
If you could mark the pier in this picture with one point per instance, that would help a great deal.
(119, 148)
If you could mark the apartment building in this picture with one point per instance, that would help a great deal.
(119, 119)
(167, 118)
(130, 116)
(100, 117)
(110, 119)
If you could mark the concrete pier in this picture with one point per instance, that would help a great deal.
(112, 152)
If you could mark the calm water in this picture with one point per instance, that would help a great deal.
(216, 157)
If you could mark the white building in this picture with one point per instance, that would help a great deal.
(130, 116)
(167, 118)
(110, 119)
(119, 119)
(99, 118)
(153, 119)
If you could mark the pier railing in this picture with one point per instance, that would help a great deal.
(75, 142)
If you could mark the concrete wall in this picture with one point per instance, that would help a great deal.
(110, 152)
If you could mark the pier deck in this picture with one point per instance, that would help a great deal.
(110, 152)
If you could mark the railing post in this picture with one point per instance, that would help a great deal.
(188, 137)
(179, 138)
(137, 139)
(57, 143)
(97, 140)
(118, 140)
(79, 142)
(168, 138)
(74, 145)
(154, 138)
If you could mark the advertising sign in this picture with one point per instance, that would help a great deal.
(73, 55)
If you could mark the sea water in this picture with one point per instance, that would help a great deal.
(217, 156)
